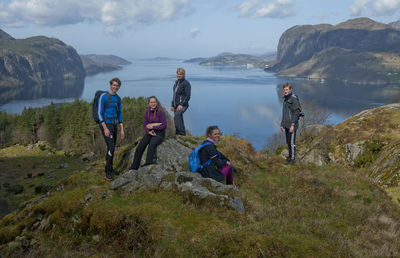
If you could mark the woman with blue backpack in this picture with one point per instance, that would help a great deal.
(155, 124)
(215, 164)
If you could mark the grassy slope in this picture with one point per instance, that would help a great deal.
(302, 210)
(33, 168)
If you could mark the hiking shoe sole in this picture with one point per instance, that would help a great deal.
(107, 179)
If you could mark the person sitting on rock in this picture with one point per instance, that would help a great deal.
(219, 167)
(155, 124)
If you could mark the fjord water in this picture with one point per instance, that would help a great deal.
(242, 102)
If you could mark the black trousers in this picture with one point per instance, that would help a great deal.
(178, 120)
(110, 142)
(152, 142)
(291, 142)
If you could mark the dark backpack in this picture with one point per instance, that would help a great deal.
(194, 159)
(95, 105)
(301, 114)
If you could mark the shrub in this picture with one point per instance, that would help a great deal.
(372, 148)
(16, 189)
(42, 188)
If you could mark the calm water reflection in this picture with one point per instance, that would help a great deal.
(243, 102)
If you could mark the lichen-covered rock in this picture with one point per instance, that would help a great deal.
(353, 150)
(169, 174)
(199, 190)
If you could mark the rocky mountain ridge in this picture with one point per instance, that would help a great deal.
(348, 51)
(25, 63)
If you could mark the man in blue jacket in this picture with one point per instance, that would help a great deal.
(109, 113)
(180, 100)
(291, 111)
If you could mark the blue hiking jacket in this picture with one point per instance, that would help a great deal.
(112, 113)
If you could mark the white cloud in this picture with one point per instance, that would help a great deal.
(271, 9)
(374, 7)
(193, 32)
(386, 7)
(110, 13)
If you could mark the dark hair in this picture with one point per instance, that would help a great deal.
(115, 80)
(287, 85)
(210, 129)
(152, 97)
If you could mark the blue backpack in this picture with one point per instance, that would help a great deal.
(194, 159)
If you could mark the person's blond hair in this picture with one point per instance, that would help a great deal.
(181, 70)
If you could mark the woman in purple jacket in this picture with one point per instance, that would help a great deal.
(155, 124)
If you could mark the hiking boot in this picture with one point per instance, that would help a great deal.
(290, 162)
(108, 176)
(148, 164)
(107, 179)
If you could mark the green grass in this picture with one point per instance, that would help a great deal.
(31, 169)
(301, 210)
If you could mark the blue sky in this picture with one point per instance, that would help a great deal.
(179, 28)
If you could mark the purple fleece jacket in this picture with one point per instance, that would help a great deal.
(155, 116)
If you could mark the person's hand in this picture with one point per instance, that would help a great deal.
(149, 126)
(179, 107)
(291, 129)
(122, 134)
(107, 132)
(281, 129)
(152, 133)
(172, 108)
(229, 163)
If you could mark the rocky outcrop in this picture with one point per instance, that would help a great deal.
(171, 173)
(26, 63)
(341, 52)
(367, 140)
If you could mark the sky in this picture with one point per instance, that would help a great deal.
(179, 28)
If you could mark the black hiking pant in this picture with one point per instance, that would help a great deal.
(178, 120)
(110, 142)
(152, 142)
(291, 142)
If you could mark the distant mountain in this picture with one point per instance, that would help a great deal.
(108, 59)
(39, 62)
(162, 58)
(358, 50)
(395, 24)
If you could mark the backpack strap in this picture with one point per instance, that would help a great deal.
(209, 160)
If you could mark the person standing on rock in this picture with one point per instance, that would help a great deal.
(109, 113)
(216, 165)
(180, 100)
(155, 124)
(291, 111)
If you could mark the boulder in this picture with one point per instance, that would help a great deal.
(353, 150)
(171, 173)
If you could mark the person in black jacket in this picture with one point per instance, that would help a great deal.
(217, 166)
(290, 120)
(180, 100)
